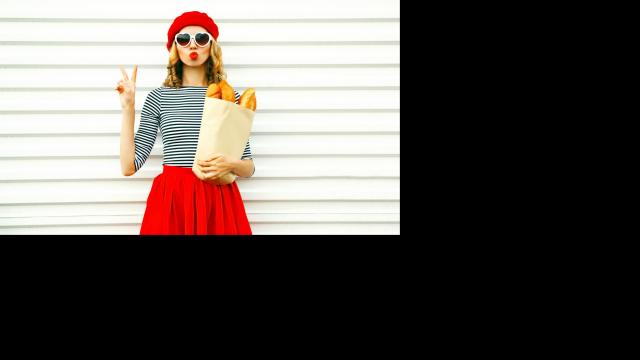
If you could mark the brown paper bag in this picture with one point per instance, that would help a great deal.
(224, 129)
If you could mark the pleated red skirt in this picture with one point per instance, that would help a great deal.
(181, 204)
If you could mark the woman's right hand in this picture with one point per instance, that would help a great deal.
(127, 88)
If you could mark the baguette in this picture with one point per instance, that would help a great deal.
(248, 99)
(227, 91)
(214, 91)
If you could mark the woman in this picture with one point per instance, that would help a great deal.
(179, 202)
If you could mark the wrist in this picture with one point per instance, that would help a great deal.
(236, 164)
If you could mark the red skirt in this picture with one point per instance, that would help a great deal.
(180, 203)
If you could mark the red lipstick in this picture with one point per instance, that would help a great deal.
(193, 55)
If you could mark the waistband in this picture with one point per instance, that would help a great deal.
(177, 170)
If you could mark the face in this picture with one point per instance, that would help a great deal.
(185, 53)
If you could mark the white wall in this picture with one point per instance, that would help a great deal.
(326, 135)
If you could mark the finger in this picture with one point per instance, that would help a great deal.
(204, 162)
(214, 156)
(124, 74)
(213, 166)
(135, 73)
(209, 168)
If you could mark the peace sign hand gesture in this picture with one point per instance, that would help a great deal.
(127, 88)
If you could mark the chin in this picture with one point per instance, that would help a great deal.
(187, 61)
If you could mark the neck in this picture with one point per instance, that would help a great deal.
(194, 76)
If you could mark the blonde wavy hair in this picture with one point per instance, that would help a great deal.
(214, 67)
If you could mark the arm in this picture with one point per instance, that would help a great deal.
(148, 129)
(244, 168)
(127, 147)
(127, 89)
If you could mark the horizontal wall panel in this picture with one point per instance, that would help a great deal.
(241, 78)
(128, 190)
(68, 220)
(323, 207)
(166, 10)
(276, 167)
(327, 229)
(266, 100)
(257, 229)
(285, 219)
(137, 208)
(232, 54)
(83, 146)
(104, 229)
(139, 33)
(264, 123)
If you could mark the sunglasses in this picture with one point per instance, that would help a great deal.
(202, 39)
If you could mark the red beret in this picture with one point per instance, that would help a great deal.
(191, 18)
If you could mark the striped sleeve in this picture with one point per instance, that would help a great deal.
(247, 155)
(148, 130)
(247, 151)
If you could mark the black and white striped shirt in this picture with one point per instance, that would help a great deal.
(177, 113)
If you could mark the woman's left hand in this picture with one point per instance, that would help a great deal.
(217, 166)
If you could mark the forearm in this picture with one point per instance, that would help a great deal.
(127, 146)
(244, 168)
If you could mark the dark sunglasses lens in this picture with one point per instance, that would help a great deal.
(202, 39)
(183, 39)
